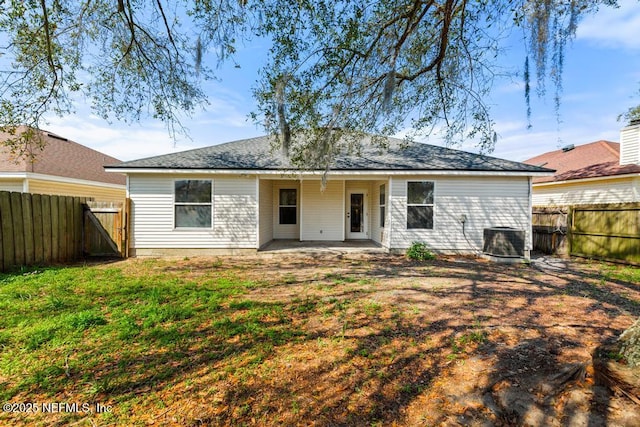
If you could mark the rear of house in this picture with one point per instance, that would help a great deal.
(240, 196)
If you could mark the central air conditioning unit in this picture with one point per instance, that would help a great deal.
(504, 242)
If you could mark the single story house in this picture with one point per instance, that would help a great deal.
(60, 167)
(242, 195)
(594, 173)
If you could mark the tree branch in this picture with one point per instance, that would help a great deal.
(47, 35)
(411, 25)
(49, 58)
(442, 50)
(166, 26)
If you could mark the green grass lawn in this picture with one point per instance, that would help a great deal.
(217, 341)
(89, 332)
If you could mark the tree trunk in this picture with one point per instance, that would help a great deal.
(616, 364)
(630, 345)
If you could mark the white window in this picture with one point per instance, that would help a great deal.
(288, 206)
(420, 204)
(192, 203)
(383, 204)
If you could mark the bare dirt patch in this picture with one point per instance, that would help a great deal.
(451, 342)
(380, 340)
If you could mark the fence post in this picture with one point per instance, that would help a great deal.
(127, 226)
(27, 222)
(47, 238)
(570, 222)
(68, 210)
(38, 229)
(18, 228)
(55, 229)
(8, 258)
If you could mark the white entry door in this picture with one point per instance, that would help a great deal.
(357, 215)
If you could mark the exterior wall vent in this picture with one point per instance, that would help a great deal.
(504, 242)
(54, 136)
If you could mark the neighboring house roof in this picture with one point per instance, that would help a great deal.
(258, 154)
(64, 158)
(593, 160)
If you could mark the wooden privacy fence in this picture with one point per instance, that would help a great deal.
(609, 232)
(41, 229)
(606, 231)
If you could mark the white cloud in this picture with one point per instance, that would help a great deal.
(613, 27)
(507, 126)
(513, 86)
(149, 138)
(120, 141)
(223, 120)
(519, 144)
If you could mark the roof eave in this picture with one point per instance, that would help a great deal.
(587, 179)
(156, 170)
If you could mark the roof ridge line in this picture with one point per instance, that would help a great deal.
(608, 147)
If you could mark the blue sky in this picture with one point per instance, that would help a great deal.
(601, 81)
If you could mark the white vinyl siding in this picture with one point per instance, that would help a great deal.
(617, 190)
(234, 213)
(266, 212)
(322, 212)
(485, 202)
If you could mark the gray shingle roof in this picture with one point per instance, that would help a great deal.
(258, 154)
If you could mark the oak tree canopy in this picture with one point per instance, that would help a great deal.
(334, 68)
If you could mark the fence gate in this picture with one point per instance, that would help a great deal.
(104, 229)
(550, 230)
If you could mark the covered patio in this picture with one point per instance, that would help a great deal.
(303, 210)
(323, 247)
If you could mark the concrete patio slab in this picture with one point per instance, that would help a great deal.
(323, 247)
